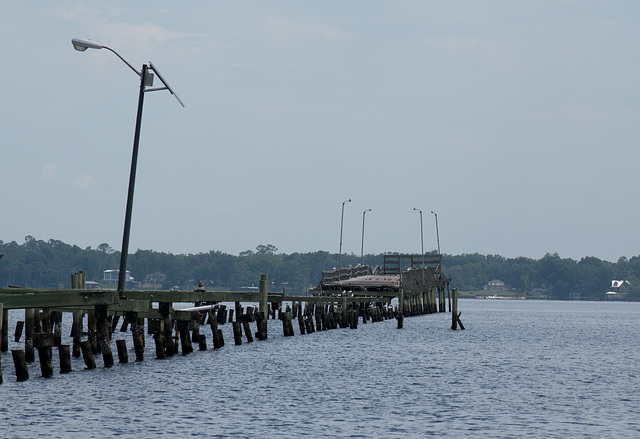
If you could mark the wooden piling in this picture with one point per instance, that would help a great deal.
(158, 338)
(185, 340)
(92, 331)
(264, 296)
(137, 332)
(213, 322)
(20, 364)
(46, 368)
(165, 311)
(4, 337)
(104, 335)
(454, 310)
(114, 323)
(400, 315)
(202, 342)
(247, 331)
(2, 319)
(301, 323)
(17, 335)
(237, 333)
(76, 333)
(64, 355)
(87, 354)
(56, 318)
(222, 314)
(123, 355)
(29, 322)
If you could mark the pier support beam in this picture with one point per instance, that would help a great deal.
(1, 326)
(400, 315)
(4, 339)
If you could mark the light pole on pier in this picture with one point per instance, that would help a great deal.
(362, 246)
(421, 242)
(341, 224)
(437, 233)
(146, 80)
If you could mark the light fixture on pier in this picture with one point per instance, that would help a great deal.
(146, 80)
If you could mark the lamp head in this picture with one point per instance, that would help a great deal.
(81, 45)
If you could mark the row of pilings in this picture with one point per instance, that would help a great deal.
(178, 331)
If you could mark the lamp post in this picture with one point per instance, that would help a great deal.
(146, 80)
(437, 233)
(341, 223)
(362, 246)
(421, 242)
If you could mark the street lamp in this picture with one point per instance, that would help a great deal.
(437, 233)
(421, 242)
(146, 80)
(341, 223)
(362, 246)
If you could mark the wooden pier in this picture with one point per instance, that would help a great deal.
(341, 300)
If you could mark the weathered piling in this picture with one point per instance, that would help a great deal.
(76, 333)
(454, 310)
(202, 342)
(17, 335)
(92, 331)
(247, 331)
(400, 315)
(213, 323)
(87, 354)
(222, 310)
(64, 355)
(2, 319)
(104, 334)
(158, 338)
(137, 332)
(237, 333)
(56, 318)
(4, 338)
(301, 323)
(185, 340)
(123, 355)
(20, 364)
(46, 368)
(287, 326)
(263, 309)
(169, 346)
(29, 322)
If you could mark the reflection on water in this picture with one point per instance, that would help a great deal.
(520, 369)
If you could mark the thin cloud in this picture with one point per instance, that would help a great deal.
(284, 29)
(457, 45)
(85, 182)
(49, 170)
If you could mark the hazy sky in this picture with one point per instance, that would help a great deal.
(516, 121)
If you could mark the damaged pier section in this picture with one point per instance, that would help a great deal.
(343, 298)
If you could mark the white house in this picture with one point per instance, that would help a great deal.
(111, 276)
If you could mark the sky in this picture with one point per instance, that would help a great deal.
(516, 122)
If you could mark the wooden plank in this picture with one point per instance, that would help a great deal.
(201, 296)
(50, 298)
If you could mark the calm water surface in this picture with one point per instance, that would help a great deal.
(520, 369)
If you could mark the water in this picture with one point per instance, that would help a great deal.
(520, 369)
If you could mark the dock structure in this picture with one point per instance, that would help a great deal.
(416, 280)
(341, 300)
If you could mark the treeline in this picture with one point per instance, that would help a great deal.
(49, 264)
